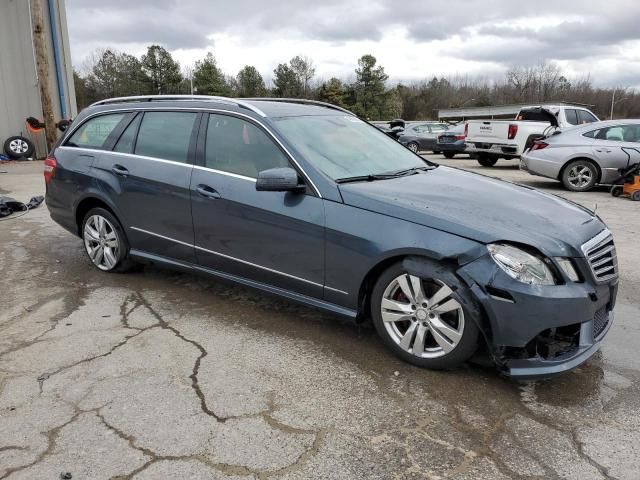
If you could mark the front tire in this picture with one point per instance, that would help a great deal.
(413, 146)
(449, 155)
(579, 176)
(424, 320)
(105, 242)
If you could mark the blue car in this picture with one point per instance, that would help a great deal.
(452, 141)
(304, 200)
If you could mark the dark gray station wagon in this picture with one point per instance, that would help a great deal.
(305, 200)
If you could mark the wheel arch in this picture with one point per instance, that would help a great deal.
(454, 261)
(87, 203)
(581, 157)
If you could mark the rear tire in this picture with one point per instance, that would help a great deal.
(449, 155)
(105, 241)
(579, 175)
(486, 160)
(418, 320)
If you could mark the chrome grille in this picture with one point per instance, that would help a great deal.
(600, 252)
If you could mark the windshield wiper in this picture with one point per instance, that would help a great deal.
(365, 178)
(383, 176)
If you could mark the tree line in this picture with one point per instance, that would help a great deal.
(109, 73)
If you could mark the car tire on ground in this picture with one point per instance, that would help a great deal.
(449, 155)
(18, 147)
(413, 146)
(579, 175)
(105, 241)
(486, 160)
(635, 196)
(431, 315)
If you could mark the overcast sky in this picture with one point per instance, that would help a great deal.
(412, 39)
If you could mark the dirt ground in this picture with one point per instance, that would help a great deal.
(159, 374)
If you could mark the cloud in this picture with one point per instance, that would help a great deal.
(412, 38)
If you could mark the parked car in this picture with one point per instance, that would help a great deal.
(491, 140)
(393, 129)
(452, 141)
(587, 155)
(422, 136)
(304, 200)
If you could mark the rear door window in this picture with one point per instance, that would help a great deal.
(166, 135)
(572, 116)
(95, 131)
(586, 117)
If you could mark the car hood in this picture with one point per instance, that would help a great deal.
(479, 208)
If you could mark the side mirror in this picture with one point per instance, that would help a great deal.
(279, 180)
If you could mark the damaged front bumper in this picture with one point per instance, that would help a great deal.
(538, 366)
(537, 331)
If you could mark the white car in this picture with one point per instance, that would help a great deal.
(490, 140)
(587, 155)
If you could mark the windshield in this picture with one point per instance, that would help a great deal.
(345, 146)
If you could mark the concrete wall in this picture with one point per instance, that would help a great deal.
(19, 89)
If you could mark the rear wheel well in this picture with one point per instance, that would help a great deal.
(588, 160)
(87, 204)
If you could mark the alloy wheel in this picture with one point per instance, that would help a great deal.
(18, 146)
(413, 147)
(422, 316)
(580, 176)
(102, 242)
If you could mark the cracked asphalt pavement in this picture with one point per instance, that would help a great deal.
(157, 374)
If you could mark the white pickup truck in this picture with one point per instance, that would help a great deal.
(490, 140)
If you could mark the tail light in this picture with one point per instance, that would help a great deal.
(513, 131)
(460, 137)
(466, 129)
(539, 145)
(50, 165)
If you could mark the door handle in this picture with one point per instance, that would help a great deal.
(207, 191)
(120, 170)
(603, 150)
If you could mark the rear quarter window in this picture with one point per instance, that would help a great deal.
(95, 131)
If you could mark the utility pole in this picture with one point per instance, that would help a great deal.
(42, 69)
(613, 102)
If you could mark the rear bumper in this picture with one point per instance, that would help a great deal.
(452, 147)
(539, 166)
(500, 149)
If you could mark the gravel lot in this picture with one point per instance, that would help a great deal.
(165, 375)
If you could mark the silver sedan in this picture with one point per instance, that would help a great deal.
(586, 155)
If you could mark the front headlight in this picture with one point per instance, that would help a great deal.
(520, 265)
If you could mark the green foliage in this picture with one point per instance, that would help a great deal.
(110, 73)
(370, 90)
(208, 79)
(304, 71)
(333, 92)
(286, 82)
(250, 82)
(162, 71)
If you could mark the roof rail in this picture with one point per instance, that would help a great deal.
(204, 98)
(303, 101)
